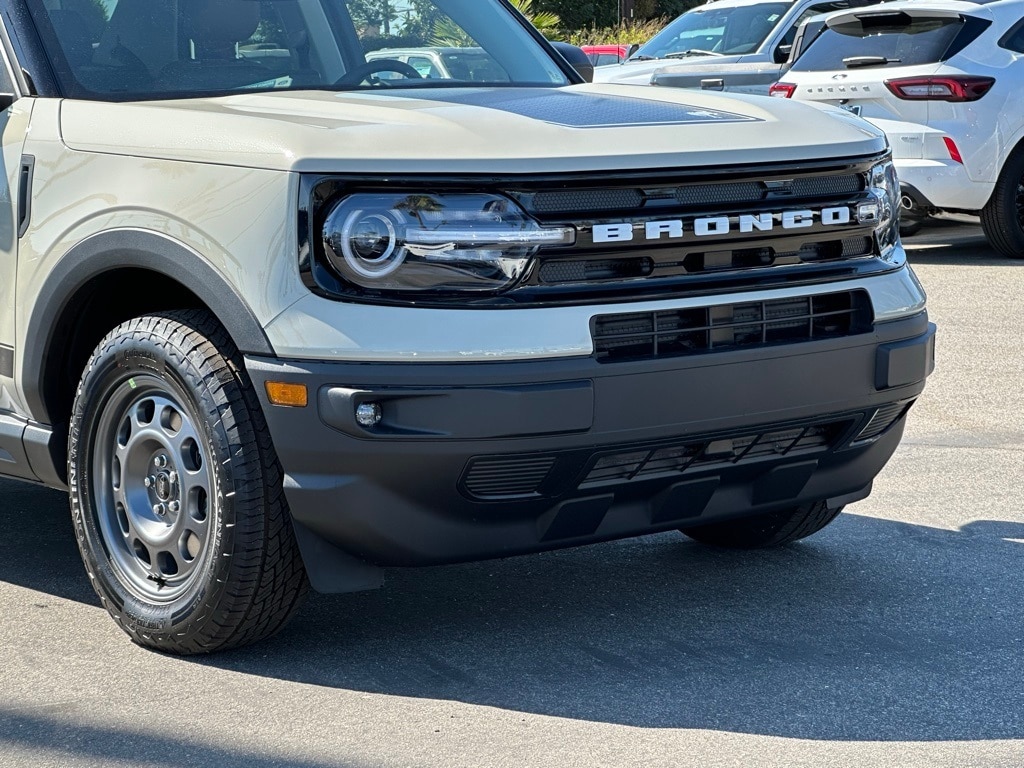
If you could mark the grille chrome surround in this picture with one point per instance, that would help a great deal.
(655, 335)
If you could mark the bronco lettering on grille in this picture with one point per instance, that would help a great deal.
(710, 226)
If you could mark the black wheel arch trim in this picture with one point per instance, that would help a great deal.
(129, 249)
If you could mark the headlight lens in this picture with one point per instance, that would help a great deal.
(885, 187)
(434, 242)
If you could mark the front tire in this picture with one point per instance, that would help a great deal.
(771, 529)
(1002, 218)
(176, 492)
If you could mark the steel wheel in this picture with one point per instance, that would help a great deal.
(152, 489)
(176, 492)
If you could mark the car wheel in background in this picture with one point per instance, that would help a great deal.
(1003, 217)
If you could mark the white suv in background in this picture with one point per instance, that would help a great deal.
(725, 45)
(943, 80)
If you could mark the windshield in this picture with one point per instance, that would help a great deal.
(137, 49)
(710, 30)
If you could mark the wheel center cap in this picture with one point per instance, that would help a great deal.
(163, 487)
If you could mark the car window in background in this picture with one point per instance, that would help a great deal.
(1014, 40)
(734, 30)
(881, 41)
(814, 10)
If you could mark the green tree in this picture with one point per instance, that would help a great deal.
(374, 14)
(547, 22)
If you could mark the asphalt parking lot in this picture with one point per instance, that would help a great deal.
(894, 637)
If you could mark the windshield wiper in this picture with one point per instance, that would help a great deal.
(642, 57)
(852, 62)
(691, 52)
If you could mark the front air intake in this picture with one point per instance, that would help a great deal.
(673, 333)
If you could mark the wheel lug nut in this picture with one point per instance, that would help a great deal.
(173, 477)
(174, 506)
(160, 509)
(148, 482)
(161, 461)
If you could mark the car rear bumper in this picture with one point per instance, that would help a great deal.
(944, 184)
(480, 460)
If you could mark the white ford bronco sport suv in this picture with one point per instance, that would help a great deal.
(276, 321)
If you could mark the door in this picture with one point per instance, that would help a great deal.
(13, 127)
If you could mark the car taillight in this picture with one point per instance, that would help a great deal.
(940, 88)
(782, 90)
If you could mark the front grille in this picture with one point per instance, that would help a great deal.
(701, 194)
(582, 271)
(652, 335)
(647, 463)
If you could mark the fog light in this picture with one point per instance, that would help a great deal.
(368, 415)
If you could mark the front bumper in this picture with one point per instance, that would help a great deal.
(478, 460)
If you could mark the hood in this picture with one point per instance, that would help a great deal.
(639, 72)
(754, 76)
(468, 131)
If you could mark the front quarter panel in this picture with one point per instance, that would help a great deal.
(240, 222)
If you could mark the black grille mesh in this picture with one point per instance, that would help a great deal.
(508, 478)
(503, 476)
(587, 200)
(827, 186)
(701, 194)
(590, 270)
(650, 335)
(709, 194)
(884, 418)
(646, 463)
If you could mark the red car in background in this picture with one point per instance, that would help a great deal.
(608, 54)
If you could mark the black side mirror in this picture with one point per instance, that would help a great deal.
(577, 59)
(6, 100)
(782, 53)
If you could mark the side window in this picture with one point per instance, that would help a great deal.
(1014, 39)
(424, 66)
(814, 10)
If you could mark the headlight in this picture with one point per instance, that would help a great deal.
(434, 243)
(884, 210)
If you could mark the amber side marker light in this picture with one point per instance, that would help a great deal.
(288, 395)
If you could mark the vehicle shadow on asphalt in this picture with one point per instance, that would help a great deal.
(49, 733)
(956, 244)
(873, 630)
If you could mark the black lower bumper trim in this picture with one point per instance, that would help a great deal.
(709, 437)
